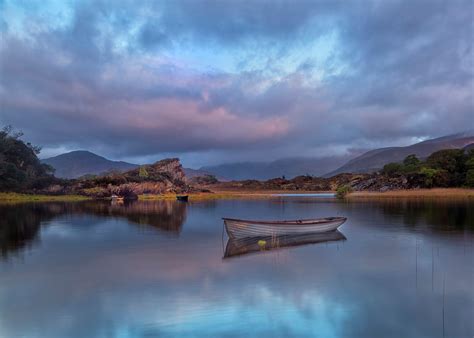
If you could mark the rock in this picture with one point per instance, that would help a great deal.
(161, 177)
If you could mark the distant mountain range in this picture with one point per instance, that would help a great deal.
(375, 159)
(288, 167)
(79, 163)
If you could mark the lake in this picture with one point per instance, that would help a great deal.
(92, 269)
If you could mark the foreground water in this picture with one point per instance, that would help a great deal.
(405, 269)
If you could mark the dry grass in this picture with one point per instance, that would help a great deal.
(226, 194)
(438, 193)
(11, 197)
(205, 196)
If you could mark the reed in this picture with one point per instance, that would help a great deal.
(454, 193)
(212, 196)
(11, 197)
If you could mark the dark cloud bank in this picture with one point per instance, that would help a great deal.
(109, 78)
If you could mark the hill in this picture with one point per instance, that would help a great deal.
(374, 160)
(79, 163)
(160, 177)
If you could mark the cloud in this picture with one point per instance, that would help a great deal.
(240, 78)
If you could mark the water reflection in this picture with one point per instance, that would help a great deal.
(93, 272)
(438, 215)
(20, 224)
(246, 246)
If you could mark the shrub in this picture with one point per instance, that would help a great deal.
(411, 164)
(391, 169)
(470, 178)
(429, 175)
(143, 172)
(411, 160)
(342, 191)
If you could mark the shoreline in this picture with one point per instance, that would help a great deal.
(231, 194)
(438, 193)
(13, 197)
(435, 193)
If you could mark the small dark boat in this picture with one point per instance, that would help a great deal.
(244, 246)
(182, 198)
(239, 228)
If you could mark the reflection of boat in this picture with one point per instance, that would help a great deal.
(183, 198)
(238, 247)
(238, 228)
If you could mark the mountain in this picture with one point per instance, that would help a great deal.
(375, 159)
(288, 167)
(81, 162)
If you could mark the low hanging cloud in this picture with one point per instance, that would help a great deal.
(242, 77)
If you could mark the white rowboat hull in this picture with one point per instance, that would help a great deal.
(237, 229)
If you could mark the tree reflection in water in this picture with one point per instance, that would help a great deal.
(20, 223)
(437, 215)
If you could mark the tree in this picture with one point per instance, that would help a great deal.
(20, 167)
(392, 168)
(470, 169)
(470, 178)
(411, 164)
(447, 159)
(453, 161)
(411, 160)
(429, 176)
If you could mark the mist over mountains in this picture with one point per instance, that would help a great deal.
(79, 163)
(288, 167)
(375, 159)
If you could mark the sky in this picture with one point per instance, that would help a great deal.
(221, 81)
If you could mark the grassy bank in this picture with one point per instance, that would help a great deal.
(206, 196)
(438, 193)
(228, 194)
(15, 197)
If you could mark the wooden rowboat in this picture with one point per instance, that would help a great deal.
(244, 246)
(239, 228)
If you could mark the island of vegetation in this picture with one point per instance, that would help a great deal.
(24, 177)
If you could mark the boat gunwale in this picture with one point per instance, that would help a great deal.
(309, 221)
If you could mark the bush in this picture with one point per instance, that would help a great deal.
(470, 178)
(342, 191)
(453, 161)
(391, 169)
(429, 175)
(411, 161)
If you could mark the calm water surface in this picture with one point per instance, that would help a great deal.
(405, 269)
